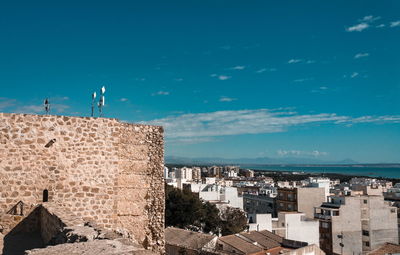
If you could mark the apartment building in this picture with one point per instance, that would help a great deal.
(254, 204)
(296, 226)
(302, 199)
(356, 224)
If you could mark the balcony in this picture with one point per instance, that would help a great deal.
(324, 213)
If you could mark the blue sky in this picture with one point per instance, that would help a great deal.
(316, 79)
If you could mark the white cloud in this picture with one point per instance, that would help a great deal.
(123, 99)
(314, 153)
(294, 61)
(354, 75)
(221, 77)
(30, 109)
(7, 102)
(190, 140)
(224, 77)
(262, 70)
(395, 23)
(310, 61)
(361, 55)
(358, 28)
(178, 79)
(381, 25)
(161, 93)
(227, 99)
(238, 67)
(369, 19)
(222, 123)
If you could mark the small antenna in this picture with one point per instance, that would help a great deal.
(47, 106)
(93, 99)
(101, 100)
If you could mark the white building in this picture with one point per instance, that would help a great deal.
(259, 222)
(184, 173)
(296, 226)
(218, 194)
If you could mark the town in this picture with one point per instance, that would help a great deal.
(356, 217)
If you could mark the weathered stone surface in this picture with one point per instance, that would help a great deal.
(96, 247)
(100, 169)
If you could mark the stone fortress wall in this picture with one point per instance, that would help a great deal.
(100, 169)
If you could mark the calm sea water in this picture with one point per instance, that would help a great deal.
(372, 171)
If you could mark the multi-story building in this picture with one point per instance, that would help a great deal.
(302, 199)
(356, 224)
(184, 173)
(296, 226)
(196, 173)
(255, 204)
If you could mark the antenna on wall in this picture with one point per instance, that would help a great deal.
(93, 100)
(102, 100)
(46, 104)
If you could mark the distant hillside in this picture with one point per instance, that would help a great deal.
(253, 161)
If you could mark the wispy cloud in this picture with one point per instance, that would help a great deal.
(321, 90)
(238, 68)
(369, 18)
(221, 77)
(354, 75)
(222, 123)
(224, 77)
(161, 93)
(291, 153)
(294, 61)
(6, 103)
(298, 60)
(262, 70)
(395, 23)
(357, 28)
(123, 99)
(227, 99)
(190, 140)
(361, 55)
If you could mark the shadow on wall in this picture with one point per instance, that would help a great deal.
(24, 236)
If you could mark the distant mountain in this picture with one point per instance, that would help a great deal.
(252, 161)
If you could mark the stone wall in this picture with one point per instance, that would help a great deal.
(100, 169)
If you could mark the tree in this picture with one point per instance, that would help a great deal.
(233, 220)
(184, 209)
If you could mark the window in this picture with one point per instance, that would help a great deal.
(325, 225)
(283, 224)
(365, 201)
(365, 233)
(366, 244)
(392, 210)
(45, 195)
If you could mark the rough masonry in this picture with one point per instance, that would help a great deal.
(102, 170)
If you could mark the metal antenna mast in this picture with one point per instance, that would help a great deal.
(93, 101)
(47, 106)
(102, 100)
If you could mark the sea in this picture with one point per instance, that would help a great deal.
(391, 171)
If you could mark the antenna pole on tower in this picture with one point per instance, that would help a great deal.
(93, 101)
(102, 100)
(47, 106)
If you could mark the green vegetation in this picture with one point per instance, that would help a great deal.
(184, 209)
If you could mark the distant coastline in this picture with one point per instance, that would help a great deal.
(384, 171)
(391, 171)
